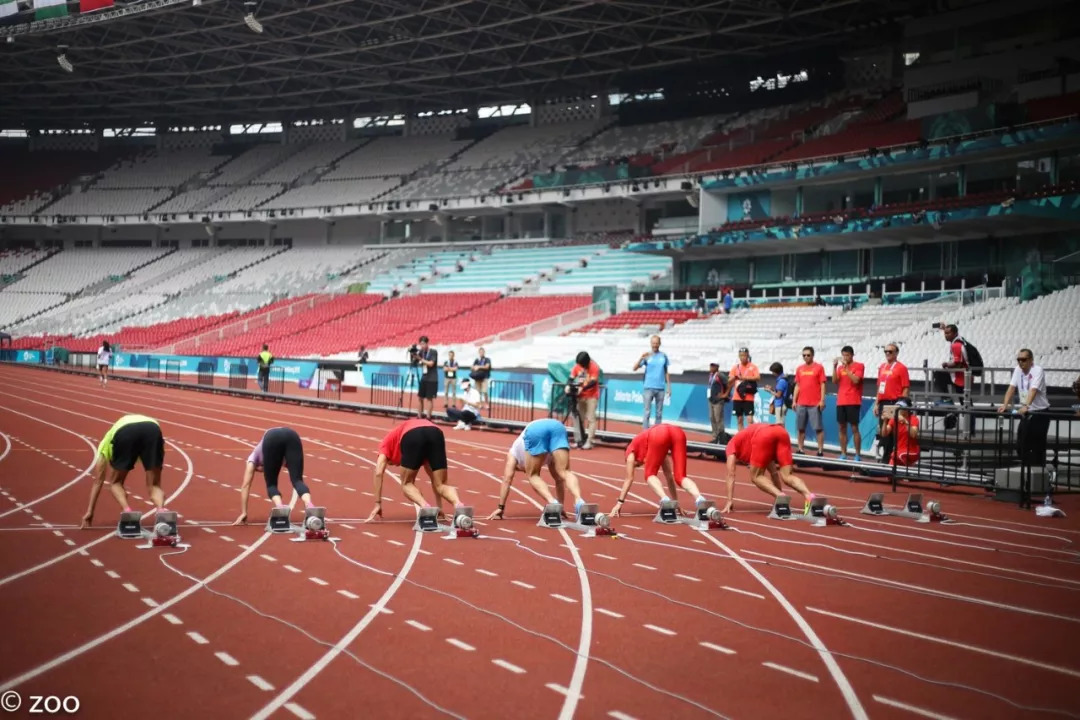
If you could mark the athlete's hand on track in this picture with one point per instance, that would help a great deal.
(87, 521)
(242, 520)
(616, 511)
(497, 515)
(728, 508)
(376, 513)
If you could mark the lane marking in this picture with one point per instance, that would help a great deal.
(691, 578)
(912, 708)
(130, 588)
(452, 561)
(318, 581)
(562, 690)
(227, 658)
(661, 630)
(563, 598)
(791, 671)
(113, 574)
(609, 613)
(198, 638)
(951, 643)
(487, 572)
(644, 567)
(508, 666)
(717, 648)
(460, 644)
(743, 592)
(173, 619)
(348, 594)
(260, 683)
(291, 569)
(525, 585)
(418, 625)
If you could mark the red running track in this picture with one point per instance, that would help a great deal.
(883, 618)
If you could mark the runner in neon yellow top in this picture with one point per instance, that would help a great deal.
(131, 438)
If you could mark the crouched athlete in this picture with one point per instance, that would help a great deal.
(412, 445)
(279, 446)
(662, 446)
(542, 442)
(131, 438)
(764, 448)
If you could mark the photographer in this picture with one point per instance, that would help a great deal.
(585, 384)
(426, 360)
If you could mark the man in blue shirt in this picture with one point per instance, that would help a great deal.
(657, 381)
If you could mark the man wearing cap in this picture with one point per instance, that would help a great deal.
(718, 389)
(470, 410)
(904, 430)
(894, 384)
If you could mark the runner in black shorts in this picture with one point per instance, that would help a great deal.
(279, 446)
(132, 438)
(414, 444)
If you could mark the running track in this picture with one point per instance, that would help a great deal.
(884, 618)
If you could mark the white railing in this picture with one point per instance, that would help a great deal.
(558, 324)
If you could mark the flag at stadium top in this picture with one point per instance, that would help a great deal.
(44, 9)
(91, 5)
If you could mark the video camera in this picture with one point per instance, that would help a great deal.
(414, 354)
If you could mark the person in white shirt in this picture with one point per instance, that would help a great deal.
(104, 360)
(470, 411)
(542, 442)
(1029, 384)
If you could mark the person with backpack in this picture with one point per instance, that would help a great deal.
(962, 356)
(782, 392)
(718, 390)
(848, 376)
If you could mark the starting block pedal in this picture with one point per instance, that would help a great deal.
(130, 526)
(279, 521)
(165, 532)
(314, 527)
(590, 521)
(913, 508)
(821, 513)
(781, 509)
(551, 516)
(427, 520)
(668, 512)
(463, 524)
(709, 516)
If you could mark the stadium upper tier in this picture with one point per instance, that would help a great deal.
(512, 268)
(275, 175)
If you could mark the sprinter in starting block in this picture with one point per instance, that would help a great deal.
(541, 442)
(131, 438)
(764, 448)
(279, 446)
(661, 446)
(414, 444)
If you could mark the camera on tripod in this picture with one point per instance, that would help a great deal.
(414, 355)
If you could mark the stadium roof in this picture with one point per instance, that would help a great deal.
(172, 62)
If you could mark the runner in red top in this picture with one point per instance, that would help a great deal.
(414, 444)
(650, 448)
(907, 439)
(763, 447)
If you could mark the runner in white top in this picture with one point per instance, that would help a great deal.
(104, 359)
(553, 450)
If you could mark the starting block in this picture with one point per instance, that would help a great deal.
(821, 512)
(590, 521)
(427, 520)
(165, 533)
(314, 527)
(130, 526)
(707, 517)
(913, 508)
(781, 509)
(279, 521)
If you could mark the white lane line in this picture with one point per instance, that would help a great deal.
(791, 671)
(619, 715)
(396, 542)
(460, 644)
(487, 572)
(149, 602)
(912, 708)
(609, 613)
(270, 558)
(951, 643)
(299, 711)
(562, 690)
(743, 592)
(717, 648)
(130, 588)
(525, 585)
(199, 639)
(96, 563)
(508, 666)
(563, 598)
(348, 594)
(291, 569)
(452, 561)
(691, 578)
(658, 629)
(113, 574)
(173, 619)
(644, 567)
(227, 659)
(606, 557)
(318, 581)
(418, 625)
(260, 683)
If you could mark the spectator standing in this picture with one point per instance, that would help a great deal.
(361, 358)
(586, 373)
(718, 391)
(429, 379)
(948, 384)
(894, 383)
(779, 404)
(848, 376)
(1029, 385)
(743, 380)
(450, 371)
(657, 383)
(809, 399)
(481, 373)
(702, 304)
(470, 410)
(265, 359)
(729, 300)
